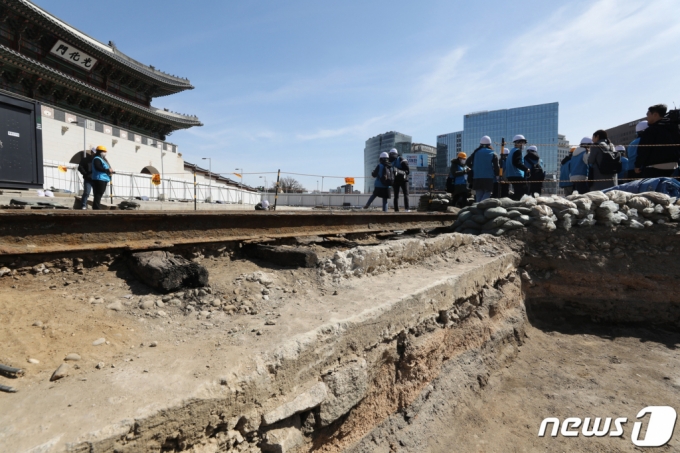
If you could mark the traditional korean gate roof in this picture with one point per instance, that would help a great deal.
(47, 74)
(166, 83)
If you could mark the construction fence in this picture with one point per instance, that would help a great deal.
(130, 186)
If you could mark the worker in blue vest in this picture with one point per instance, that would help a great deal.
(458, 178)
(401, 172)
(384, 178)
(633, 149)
(101, 175)
(623, 174)
(579, 169)
(485, 168)
(515, 170)
(565, 182)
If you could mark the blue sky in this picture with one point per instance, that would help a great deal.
(301, 85)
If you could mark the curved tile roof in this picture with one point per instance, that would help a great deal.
(176, 119)
(99, 49)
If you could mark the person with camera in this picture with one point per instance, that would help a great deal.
(659, 148)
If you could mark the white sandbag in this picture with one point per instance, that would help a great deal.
(639, 203)
(656, 197)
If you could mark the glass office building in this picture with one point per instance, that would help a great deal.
(538, 123)
(378, 144)
(448, 147)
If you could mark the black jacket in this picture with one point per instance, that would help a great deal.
(566, 159)
(85, 166)
(518, 161)
(660, 133)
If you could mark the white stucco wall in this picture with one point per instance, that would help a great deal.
(61, 145)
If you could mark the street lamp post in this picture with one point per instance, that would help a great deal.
(240, 170)
(84, 137)
(209, 159)
(265, 182)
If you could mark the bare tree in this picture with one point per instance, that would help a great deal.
(289, 184)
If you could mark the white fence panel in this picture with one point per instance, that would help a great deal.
(128, 186)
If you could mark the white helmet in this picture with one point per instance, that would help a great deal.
(519, 138)
(394, 151)
(641, 126)
(586, 141)
(505, 151)
(532, 148)
(384, 155)
(620, 148)
(486, 140)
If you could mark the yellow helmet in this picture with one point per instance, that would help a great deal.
(101, 148)
(462, 155)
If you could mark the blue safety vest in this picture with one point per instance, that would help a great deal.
(483, 164)
(624, 169)
(510, 170)
(100, 175)
(378, 182)
(564, 174)
(578, 167)
(458, 180)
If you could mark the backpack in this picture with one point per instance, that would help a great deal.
(387, 177)
(611, 161)
(537, 172)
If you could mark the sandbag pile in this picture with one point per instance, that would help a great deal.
(614, 208)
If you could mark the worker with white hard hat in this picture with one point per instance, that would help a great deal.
(401, 172)
(633, 149)
(623, 174)
(384, 178)
(536, 172)
(515, 170)
(485, 169)
(579, 166)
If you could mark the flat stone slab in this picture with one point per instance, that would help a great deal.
(305, 401)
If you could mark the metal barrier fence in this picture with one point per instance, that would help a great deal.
(131, 185)
(334, 200)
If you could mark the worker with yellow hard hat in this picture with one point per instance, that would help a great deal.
(101, 175)
(456, 183)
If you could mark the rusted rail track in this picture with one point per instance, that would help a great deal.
(26, 232)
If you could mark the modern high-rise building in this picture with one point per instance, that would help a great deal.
(562, 148)
(378, 144)
(624, 133)
(538, 123)
(448, 147)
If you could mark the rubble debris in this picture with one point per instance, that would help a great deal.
(167, 272)
(284, 255)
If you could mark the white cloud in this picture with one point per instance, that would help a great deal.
(595, 50)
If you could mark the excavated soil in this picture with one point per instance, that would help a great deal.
(573, 324)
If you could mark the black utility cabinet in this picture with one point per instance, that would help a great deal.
(21, 158)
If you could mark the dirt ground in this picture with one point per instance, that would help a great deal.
(569, 370)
